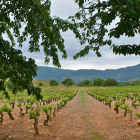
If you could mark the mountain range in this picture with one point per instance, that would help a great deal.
(121, 75)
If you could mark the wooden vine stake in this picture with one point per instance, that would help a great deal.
(130, 115)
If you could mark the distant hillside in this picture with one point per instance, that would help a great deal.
(121, 75)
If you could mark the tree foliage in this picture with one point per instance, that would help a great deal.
(40, 84)
(110, 82)
(9, 85)
(130, 83)
(67, 81)
(86, 82)
(38, 25)
(98, 82)
(34, 15)
(81, 84)
(94, 18)
(15, 67)
(53, 83)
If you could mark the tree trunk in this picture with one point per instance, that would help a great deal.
(10, 115)
(13, 105)
(24, 103)
(21, 113)
(1, 118)
(125, 113)
(116, 109)
(46, 121)
(50, 116)
(54, 112)
(36, 125)
(109, 105)
(26, 111)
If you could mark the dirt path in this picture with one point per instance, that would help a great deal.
(74, 121)
(83, 118)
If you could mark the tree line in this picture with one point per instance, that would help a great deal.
(98, 82)
(95, 82)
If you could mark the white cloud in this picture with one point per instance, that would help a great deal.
(63, 8)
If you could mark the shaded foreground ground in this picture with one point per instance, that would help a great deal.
(83, 118)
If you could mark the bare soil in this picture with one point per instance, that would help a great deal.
(83, 118)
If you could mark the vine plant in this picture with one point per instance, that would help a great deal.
(126, 108)
(117, 105)
(34, 114)
(45, 109)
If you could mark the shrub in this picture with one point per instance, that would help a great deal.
(9, 85)
(126, 108)
(53, 83)
(110, 82)
(40, 84)
(67, 81)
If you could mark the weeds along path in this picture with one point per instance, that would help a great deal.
(75, 121)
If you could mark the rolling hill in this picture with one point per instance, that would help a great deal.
(121, 75)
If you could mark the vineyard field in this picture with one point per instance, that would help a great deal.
(70, 112)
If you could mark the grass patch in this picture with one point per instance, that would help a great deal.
(90, 131)
(94, 136)
(83, 97)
